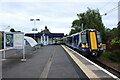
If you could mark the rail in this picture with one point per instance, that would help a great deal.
(107, 67)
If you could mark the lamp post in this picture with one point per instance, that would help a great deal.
(34, 29)
(79, 19)
(103, 14)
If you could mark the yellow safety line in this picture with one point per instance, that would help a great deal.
(84, 68)
(93, 41)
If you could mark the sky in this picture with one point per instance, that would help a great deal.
(57, 15)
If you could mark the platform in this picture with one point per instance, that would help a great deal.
(52, 61)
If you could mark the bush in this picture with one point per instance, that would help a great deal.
(106, 55)
(115, 55)
(115, 41)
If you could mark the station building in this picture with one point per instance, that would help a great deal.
(45, 37)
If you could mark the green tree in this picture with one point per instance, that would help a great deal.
(107, 30)
(114, 31)
(118, 30)
(76, 26)
(73, 31)
(91, 19)
(65, 35)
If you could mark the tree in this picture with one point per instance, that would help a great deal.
(107, 30)
(73, 31)
(91, 19)
(114, 31)
(75, 23)
(118, 30)
(65, 35)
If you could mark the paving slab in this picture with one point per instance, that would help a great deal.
(46, 62)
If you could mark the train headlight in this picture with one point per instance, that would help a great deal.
(83, 46)
(86, 45)
(100, 45)
(94, 54)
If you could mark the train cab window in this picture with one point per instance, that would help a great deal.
(83, 38)
(98, 38)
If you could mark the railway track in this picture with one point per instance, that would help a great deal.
(107, 67)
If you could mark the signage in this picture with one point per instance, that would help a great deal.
(19, 40)
(9, 40)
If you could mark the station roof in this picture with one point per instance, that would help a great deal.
(45, 34)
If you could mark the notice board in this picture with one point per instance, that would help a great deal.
(14, 39)
(19, 40)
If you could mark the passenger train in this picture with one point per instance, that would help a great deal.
(87, 42)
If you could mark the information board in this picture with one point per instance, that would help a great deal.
(19, 40)
(12, 40)
(9, 40)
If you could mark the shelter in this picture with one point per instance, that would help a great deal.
(45, 37)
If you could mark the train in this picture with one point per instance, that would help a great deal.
(87, 42)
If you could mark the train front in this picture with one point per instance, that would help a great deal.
(91, 45)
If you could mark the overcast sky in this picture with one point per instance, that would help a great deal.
(56, 15)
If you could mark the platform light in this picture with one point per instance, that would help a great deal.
(34, 29)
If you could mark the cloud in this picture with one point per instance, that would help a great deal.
(57, 15)
(57, 1)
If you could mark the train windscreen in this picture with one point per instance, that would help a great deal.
(83, 38)
(98, 38)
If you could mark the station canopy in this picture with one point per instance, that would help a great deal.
(45, 32)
